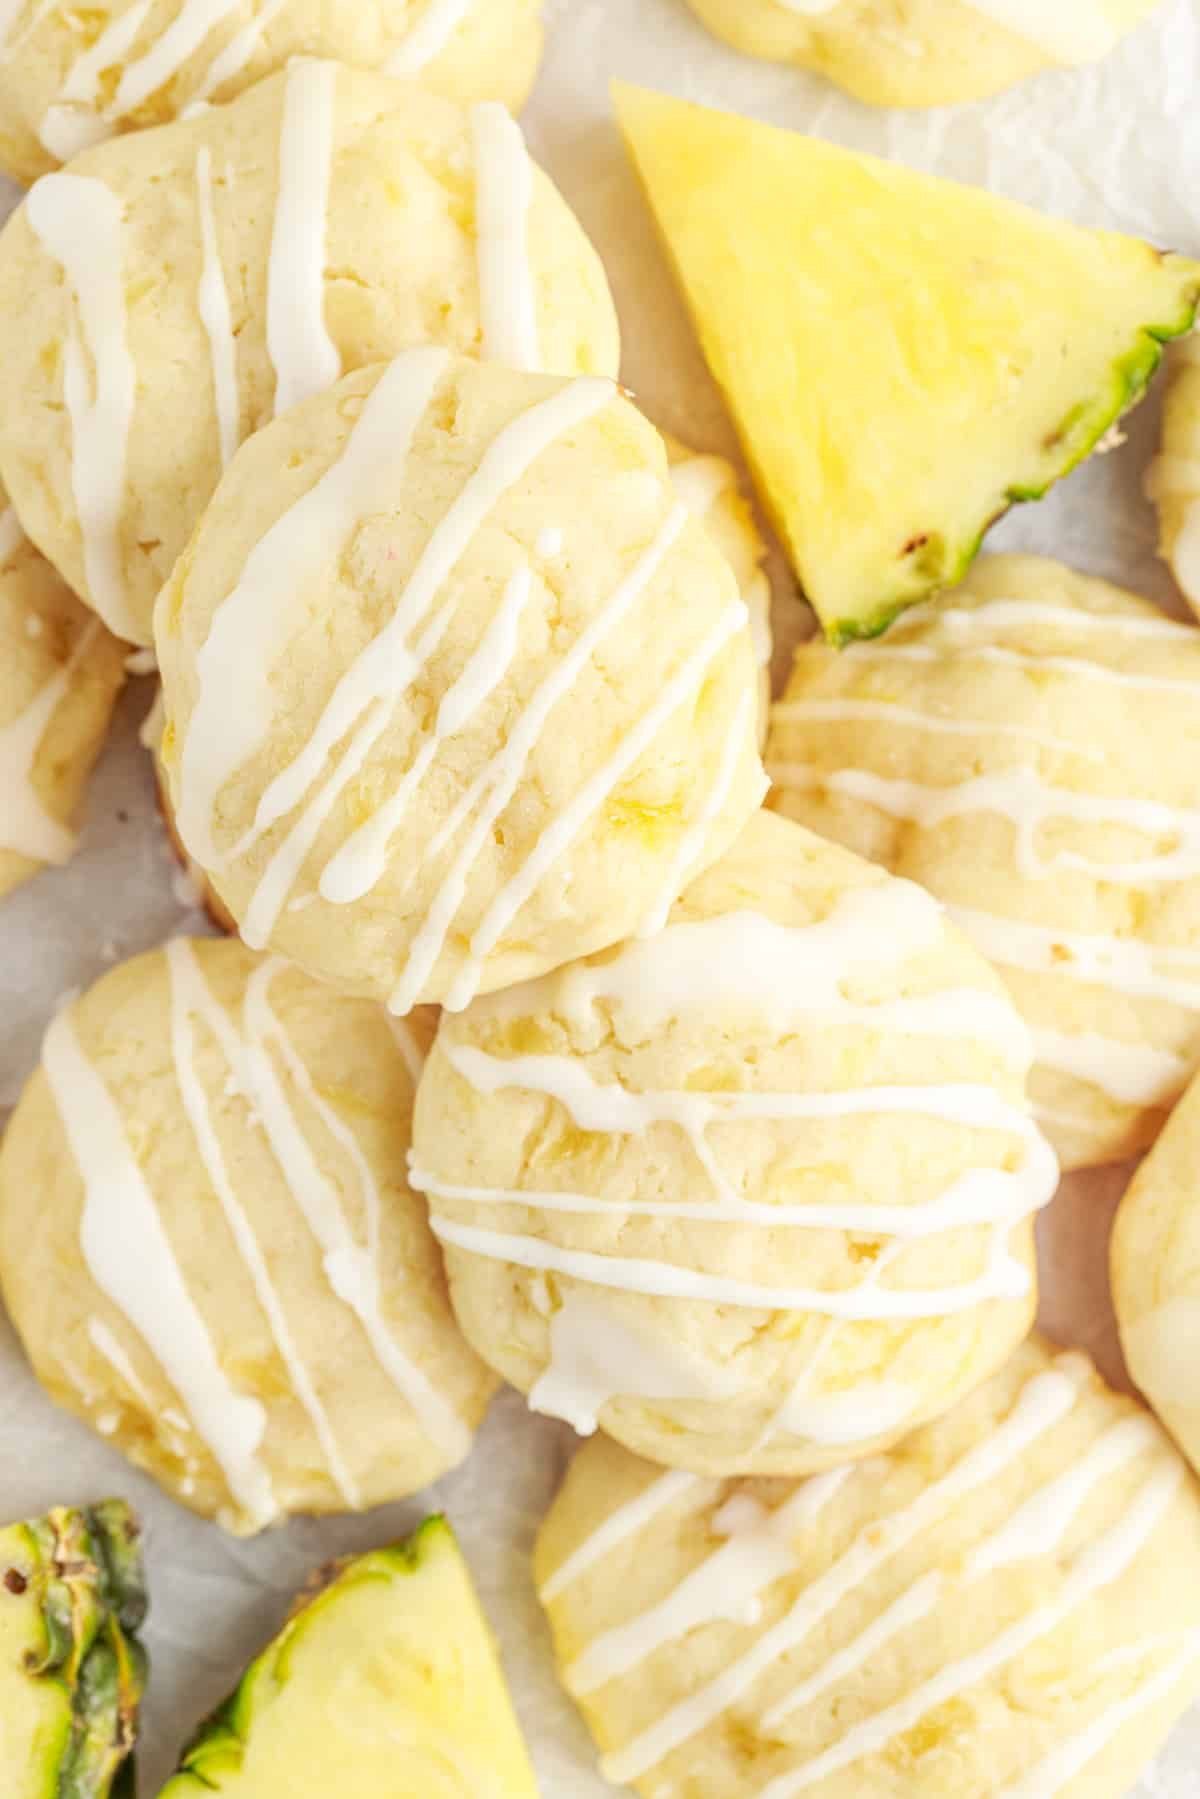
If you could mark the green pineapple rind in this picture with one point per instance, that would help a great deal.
(86, 1569)
(1078, 434)
(218, 1748)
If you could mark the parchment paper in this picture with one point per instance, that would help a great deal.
(1118, 145)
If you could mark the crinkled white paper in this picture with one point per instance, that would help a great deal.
(1118, 145)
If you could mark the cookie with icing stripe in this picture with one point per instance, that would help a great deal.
(70, 77)
(455, 686)
(1155, 1262)
(1026, 748)
(924, 52)
(754, 1192)
(708, 486)
(175, 290)
(210, 1249)
(1004, 1607)
(62, 675)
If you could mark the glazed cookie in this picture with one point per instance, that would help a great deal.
(1173, 482)
(924, 52)
(455, 688)
(1004, 1607)
(754, 1193)
(62, 675)
(1027, 749)
(1156, 1275)
(71, 77)
(211, 1252)
(174, 290)
(206, 897)
(708, 487)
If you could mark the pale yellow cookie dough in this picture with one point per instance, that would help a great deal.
(169, 294)
(72, 76)
(755, 1193)
(1006, 1606)
(1173, 482)
(210, 1249)
(1027, 748)
(923, 52)
(708, 486)
(62, 675)
(454, 686)
(1155, 1261)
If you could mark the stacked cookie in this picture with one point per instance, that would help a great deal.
(729, 1141)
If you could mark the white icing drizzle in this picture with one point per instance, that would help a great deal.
(236, 55)
(405, 1039)
(1118, 963)
(629, 1520)
(114, 1354)
(353, 1271)
(695, 839)
(973, 1200)
(25, 825)
(699, 482)
(1028, 802)
(213, 301)
(1041, 1404)
(1131, 1074)
(130, 1258)
(305, 358)
(503, 194)
(838, 711)
(12, 538)
(596, 1357)
(1039, 1526)
(1095, 1567)
(560, 833)
(1006, 1278)
(387, 667)
(845, 1416)
(482, 674)
(998, 1196)
(779, 974)
(72, 124)
(167, 55)
(80, 222)
(234, 700)
(1069, 1758)
(1081, 667)
(724, 1586)
(960, 623)
(191, 998)
(75, 121)
(428, 36)
(493, 789)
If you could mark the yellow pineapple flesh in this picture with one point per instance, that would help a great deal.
(904, 357)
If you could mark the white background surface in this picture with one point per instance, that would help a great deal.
(1119, 146)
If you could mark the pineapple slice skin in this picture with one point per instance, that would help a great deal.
(72, 1672)
(266, 1738)
(956, 400)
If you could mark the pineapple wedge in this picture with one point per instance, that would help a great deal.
(71, 1670)
(904, 357)
(385, 1685)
